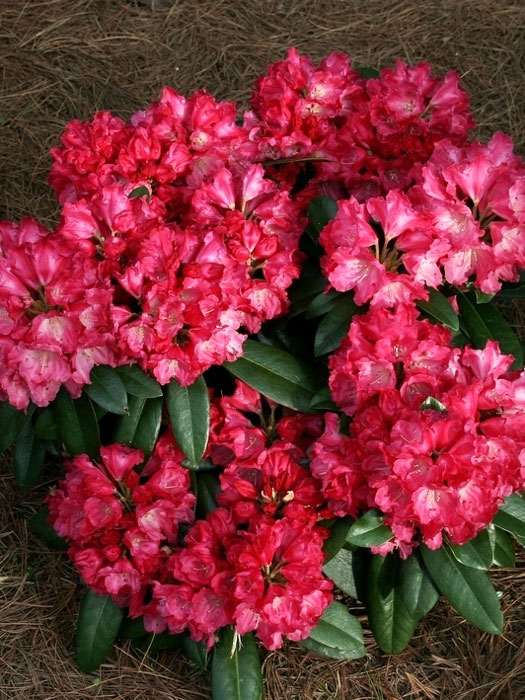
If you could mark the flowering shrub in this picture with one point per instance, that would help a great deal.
(268, 347)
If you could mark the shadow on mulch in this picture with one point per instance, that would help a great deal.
(65, 59)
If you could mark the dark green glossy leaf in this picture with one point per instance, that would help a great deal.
(138, 383)
(46, 427)
(434, 404)
(98, 624)
(390, 620)
(107, 390)
(334, 326)
(140, 428)
(208, 487)
(77, 424)
(438, 307)
(476, 553)
(504, 554)
(236, 671)
(28, 458)
(304, 290)
(11, 423)
(337, 539)
(369, 530)
(482, 298)
(468, 590)
(322, 401)
(189, 410)
(195, 651)
(345, 569)
(157, 642)
(367, 71)
(132, 629)
(418, 593)
(277, 375)
(40, 525)
(484, 323)
(511, 516)
(338, 634)
(321, 210)
(322, 304)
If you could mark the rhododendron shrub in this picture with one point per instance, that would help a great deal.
(268, 349)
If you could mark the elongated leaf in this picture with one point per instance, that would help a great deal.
(46, 427)
(11, 423)
(477, 553)
(322, 303)
(367, 71)
(40, 525)
(236, 672)
(484, 322)
(337, 539)
(140, 428)
(98, 624)
(139, 192)
(132, 629)
(138, 383)
(418, 593)
(189, 410)
(390, 620)
(369, 530)
(322, 401)
(345, 569)
(28, 458)
(277, 375)
(304, 290)
(338, 634)
(511, 516)
(504, 554)
(334, 326)
(195, 651)
(157, 642)
(77, 424)
(321, 210)
(438, 307)
(107, 390)
(512, 291)
(468, 590)
(208, 487)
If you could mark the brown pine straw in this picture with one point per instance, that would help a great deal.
(64, 59)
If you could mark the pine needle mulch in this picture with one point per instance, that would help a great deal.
(65, 59)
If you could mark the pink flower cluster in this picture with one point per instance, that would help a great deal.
(256, 562)
(437, 434)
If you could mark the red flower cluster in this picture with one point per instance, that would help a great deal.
(437, 436)
(122, 525)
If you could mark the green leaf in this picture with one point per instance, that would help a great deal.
(304, 290)
(346, 569)
(139, 192)
(468, 590)
(208, 487)
(484, 323)
(321, 210)
(157, 642)
(322, 401)
(189, 410)
(40, 525)
(367, 71)
(504, 554)
(46, 427)
(195, 651)
(322, 304)
(433, 404)
(98, 624)
(77, 424)
(338, 634)
(369, 530)
(438, 307)
(138, 383)
(132, 629)
(390, 620)
(334, 326)
(337, 539)
(236, 672)
(11, 421)
(28, 458)
(476, 553)
(511, 516)
(140, 428)
(482, 297)
(277, 375)
(418, 593)
(107, 390)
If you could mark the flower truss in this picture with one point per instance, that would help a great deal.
(268, 343)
